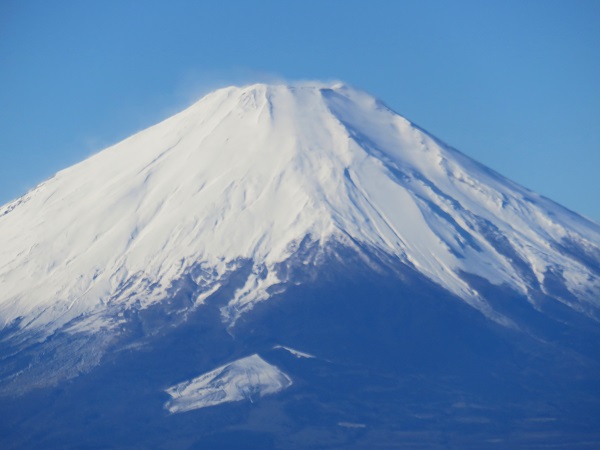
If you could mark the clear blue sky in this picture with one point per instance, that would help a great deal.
(514, 84)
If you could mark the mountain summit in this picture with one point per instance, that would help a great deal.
(254, 193)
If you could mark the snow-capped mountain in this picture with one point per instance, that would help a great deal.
(252, 172)
(270, 217)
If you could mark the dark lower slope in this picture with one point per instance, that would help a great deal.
(400, 363)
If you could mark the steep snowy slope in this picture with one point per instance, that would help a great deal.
(254, 174)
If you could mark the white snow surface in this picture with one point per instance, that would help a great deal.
(248, 173)
(245, 379)
(294, 352)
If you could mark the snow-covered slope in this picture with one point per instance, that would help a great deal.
(244, 379)
(248, 174)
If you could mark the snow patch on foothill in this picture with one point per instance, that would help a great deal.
(245, 379)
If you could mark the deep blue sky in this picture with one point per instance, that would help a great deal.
(514, 84)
